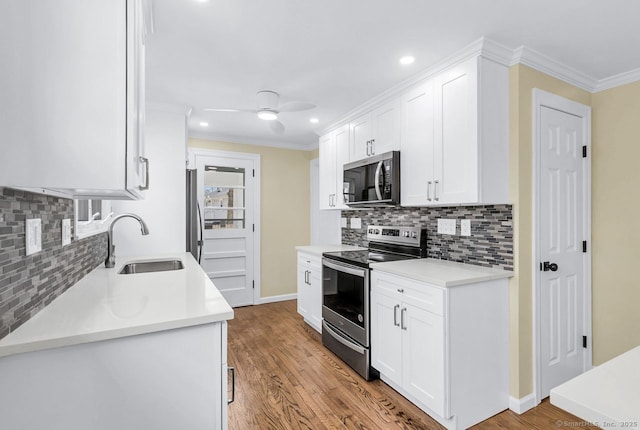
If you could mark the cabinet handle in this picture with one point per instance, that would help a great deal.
(395, 315)
(373, 151)
(233, 384)
(306, 277)
(435, 190)
(368, 143)
(402, 326)
(429, 190)
(400, 290)
(145, 161)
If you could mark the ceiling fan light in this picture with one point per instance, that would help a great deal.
(267, 115)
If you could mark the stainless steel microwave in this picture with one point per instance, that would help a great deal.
(373, 181)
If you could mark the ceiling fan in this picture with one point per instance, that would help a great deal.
(268, 109)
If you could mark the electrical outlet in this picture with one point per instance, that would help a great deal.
(465, 227)
(356, 223)
(446, 226)
(33, 235)
(66, 232)
(343, 222)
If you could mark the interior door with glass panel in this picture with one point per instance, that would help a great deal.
(225, 193)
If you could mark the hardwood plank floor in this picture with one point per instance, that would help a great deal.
(286, 379)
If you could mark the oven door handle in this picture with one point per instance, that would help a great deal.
(360, 350)
(340, 268)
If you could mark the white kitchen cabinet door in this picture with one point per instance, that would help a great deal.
(386, 339)
(310, 290)
(385, 124)
(416, 146)
(456, 134)
(423, 354)
(72, 115)
(334, 153)
(376, 132)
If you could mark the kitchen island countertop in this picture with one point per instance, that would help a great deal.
(106, 305)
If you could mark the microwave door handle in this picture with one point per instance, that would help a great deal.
(377, 180)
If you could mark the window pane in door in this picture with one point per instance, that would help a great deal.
(224, 197)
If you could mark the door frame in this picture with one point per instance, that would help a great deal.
(542, 98)
(255, 159)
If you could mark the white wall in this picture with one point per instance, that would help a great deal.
(163, 208)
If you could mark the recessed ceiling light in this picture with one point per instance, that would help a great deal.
(267, 115)
(204, 124)
(314, 120)
(409, 59)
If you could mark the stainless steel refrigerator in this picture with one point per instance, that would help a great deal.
(194, 216)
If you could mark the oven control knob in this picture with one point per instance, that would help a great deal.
(377, 231)
(414, 235)
(405, 233)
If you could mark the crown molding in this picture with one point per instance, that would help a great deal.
(543, 63)
(617, 80)
(241, 140)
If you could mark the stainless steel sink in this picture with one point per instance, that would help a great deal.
(151, 266)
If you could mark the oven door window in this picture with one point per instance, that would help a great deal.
(343, 293)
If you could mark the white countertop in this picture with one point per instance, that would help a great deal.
(319, 249)
(105, 305)
(607, 395)
(440, 272)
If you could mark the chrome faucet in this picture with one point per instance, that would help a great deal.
(111, 248)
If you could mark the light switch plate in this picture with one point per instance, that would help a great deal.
(33, 235)
(343, 222)
(66, 232)
(465, 227)
(356, 223)
(446, 226)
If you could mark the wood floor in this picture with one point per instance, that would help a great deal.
(286, 379)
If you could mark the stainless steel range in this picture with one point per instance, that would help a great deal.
(346, 291)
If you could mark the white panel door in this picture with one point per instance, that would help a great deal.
(341, 150)
(416, 146)
(561, 255)
(386, 339)
(226, 194)
(360, 139)
(385, 124)
(327, 178)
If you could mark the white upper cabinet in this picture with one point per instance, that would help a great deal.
(376, 132)
(72, 84)
(454, 141)
(334, 153)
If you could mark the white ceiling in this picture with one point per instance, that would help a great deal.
(338, 54)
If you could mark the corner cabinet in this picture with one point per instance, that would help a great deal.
(310, 289)
(454, 137)
(73, 97)
(444, 349)
(334, 152)
(376, 132)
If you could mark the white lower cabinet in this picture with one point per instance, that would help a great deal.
(166, 380)
(445, 349)
(310, 290)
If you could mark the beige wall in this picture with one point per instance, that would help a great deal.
(284, 210)
(615, 210)
(522, 80)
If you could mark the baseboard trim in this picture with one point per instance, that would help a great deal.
(280, 298)
(522, 405)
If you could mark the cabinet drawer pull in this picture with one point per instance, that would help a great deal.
(145, 161)
(429, 190)
(402, 326)
(395, 315)
(373, 150)
(435, 190)
(368, 147)
(401, 290)
(233, 384)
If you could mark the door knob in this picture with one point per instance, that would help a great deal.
(546, 266)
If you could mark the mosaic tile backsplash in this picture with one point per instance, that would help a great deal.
(490, 243)
(28, 284)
